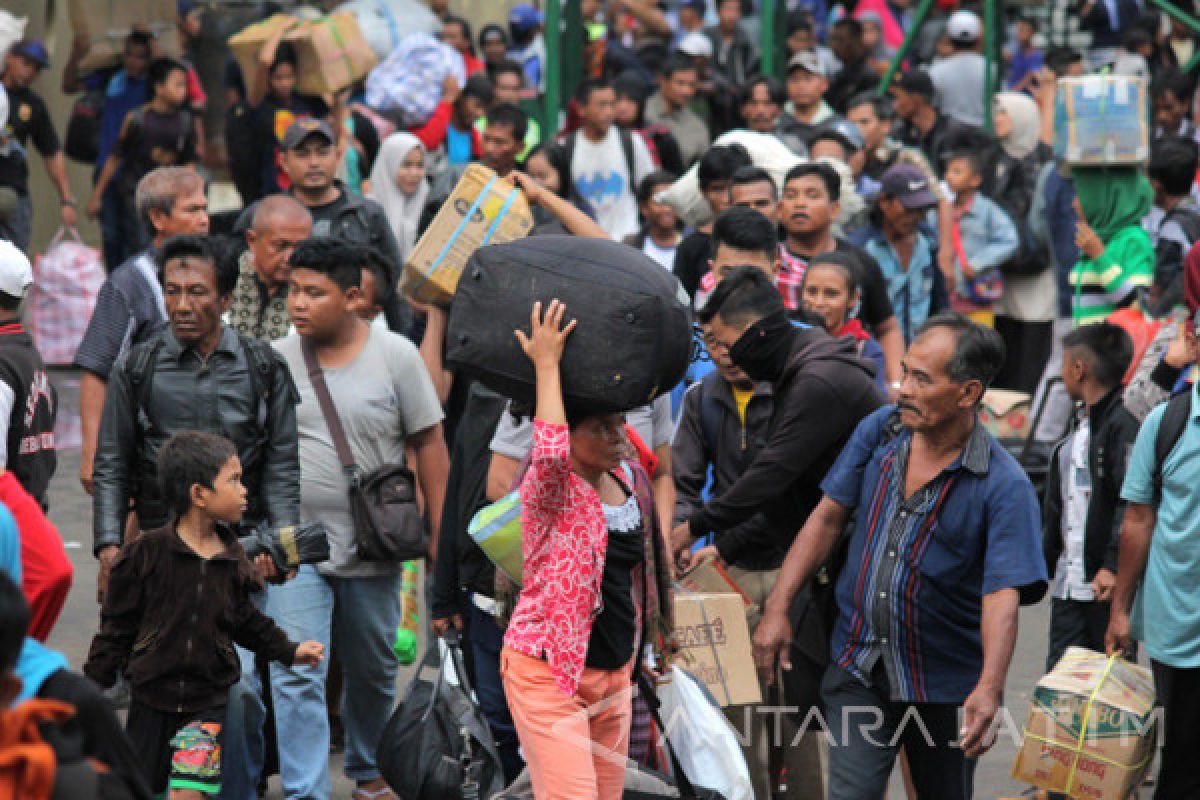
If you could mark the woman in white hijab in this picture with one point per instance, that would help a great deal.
(1025, 313)
(398, 184)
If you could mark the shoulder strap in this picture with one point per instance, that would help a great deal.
(569, 156)
(262, 364)
(627, 149)
(1170, 429)
(316, 377)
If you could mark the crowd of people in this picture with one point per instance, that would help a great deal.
(854, 313)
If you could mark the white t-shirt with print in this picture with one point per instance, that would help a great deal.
(601, 177)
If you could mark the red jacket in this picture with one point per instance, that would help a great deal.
(46, 571)
(433, 133)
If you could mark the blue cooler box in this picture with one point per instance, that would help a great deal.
(1102, 120)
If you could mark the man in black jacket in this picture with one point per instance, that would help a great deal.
(822, 389)
(1082, 511)
(28, 401)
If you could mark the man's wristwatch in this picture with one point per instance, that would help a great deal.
(68, 201)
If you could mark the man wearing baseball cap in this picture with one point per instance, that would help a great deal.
(28, 402)
(310, 161)
(924, 127)
(29, 119)
(959, 78)
(806, 108)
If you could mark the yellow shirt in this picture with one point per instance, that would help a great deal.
(742, 398)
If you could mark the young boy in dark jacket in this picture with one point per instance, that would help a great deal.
(179, 599)
(1082, 511)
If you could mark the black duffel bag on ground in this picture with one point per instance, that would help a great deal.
(634, 336)
(437, 745)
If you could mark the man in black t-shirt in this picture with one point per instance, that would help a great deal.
(29, 120)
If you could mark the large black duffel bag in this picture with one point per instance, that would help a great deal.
(634, 334)
(437, 745)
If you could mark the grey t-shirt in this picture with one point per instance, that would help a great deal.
(381, 396)
(652, 422)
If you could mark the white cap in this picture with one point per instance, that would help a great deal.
(696, 44)
(964, 26)
(16, 275)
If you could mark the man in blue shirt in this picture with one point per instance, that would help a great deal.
(124, 91)
(1159, 559)
(945, 547)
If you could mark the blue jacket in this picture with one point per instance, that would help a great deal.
(989, 237)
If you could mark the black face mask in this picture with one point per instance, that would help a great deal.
(762, 351)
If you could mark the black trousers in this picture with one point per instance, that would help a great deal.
(1179, 695)
(1075, 623)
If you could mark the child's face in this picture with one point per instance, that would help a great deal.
(1169, 110)
(364, 304)
(174, 88)
(659, 215)
(960, 177)
(226, 500)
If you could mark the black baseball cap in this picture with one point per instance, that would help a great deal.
(916, 81)
(301, 129)
(909, 185)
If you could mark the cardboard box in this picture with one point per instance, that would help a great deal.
(108, 24)
(1102, 120)
(1092, 728)
(483, 209)
(709, 577)
(714, 645)
(247, 43)
(331, 54)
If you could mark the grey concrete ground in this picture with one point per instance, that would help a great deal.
(71, 512)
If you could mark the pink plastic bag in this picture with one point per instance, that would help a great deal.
(66, 280)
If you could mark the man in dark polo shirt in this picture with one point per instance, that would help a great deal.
(28, 120)
(944, 550)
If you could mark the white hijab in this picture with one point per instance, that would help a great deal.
(1026, 123)
(403, 210)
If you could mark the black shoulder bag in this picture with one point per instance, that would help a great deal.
(383, 501)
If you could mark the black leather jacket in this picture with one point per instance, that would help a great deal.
(182, 391)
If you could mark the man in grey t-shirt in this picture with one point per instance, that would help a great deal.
(386, 402)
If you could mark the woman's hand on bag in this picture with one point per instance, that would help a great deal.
(443, 625)
(548, 336)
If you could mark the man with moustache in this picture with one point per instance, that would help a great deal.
(947, 524)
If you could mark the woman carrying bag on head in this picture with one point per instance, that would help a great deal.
(596, 587)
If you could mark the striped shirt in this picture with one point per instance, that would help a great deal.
(129, 309)
(1112, 281)
(910, 596)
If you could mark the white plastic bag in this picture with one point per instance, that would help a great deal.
(12, 30)
(704, 741)
(408, 86)
(385, 23)
(66, 280)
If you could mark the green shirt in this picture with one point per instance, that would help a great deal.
(1112, 280)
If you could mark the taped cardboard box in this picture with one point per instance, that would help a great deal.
(331, 54)
(247, 43)
(483, 209)
(714, 645)
(710, 577)
(1102, 120)
(108, 24)
(1092, 728)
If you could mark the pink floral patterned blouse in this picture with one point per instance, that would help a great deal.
(565, 541)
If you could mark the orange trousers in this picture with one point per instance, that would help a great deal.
(576, 747)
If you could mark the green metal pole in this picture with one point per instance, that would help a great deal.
(572, 49)
(990, 19)
(551, 103)
(769, 67)
(1186, 19)
(905, 46)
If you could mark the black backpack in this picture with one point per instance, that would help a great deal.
(82, 142)
(245, 157)
(1170, 429)
(437, 745)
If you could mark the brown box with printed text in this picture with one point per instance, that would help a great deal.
(714, 645)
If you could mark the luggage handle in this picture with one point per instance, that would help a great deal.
(71, 233)
(687, 790)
